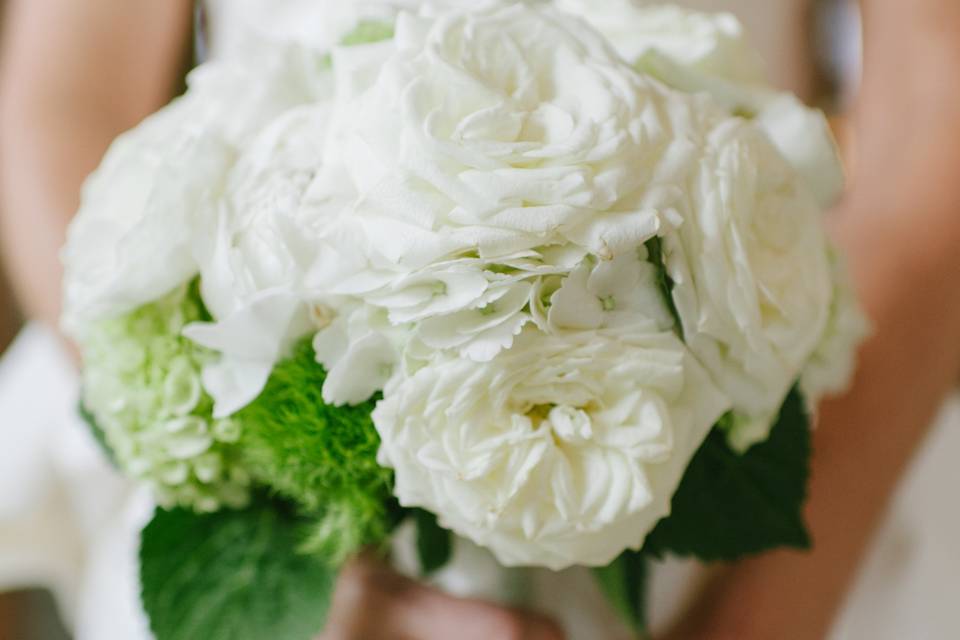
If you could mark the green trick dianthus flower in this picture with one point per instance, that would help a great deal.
(322, 457)
(141, 387)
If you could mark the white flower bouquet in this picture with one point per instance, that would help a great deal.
(551, 276)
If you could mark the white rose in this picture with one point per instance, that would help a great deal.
(256, 256)
(805, 139)
(559, 451)
(708, 52)
(498, 131)
(709, 43)
(751, 272)
(263, 235)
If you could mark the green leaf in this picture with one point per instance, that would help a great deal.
(624, 583)
(231, 575)
(98, 434)
(664, 281)
(434, 543)
(729, 505)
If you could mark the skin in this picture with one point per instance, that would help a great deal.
(900, 228)
(371, 602)
(8, 616)
(8, 315)
(75, 74)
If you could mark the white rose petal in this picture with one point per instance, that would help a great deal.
(709, 43)
(255, 262)
(262, 236)
(804, 137)
(801, 134)
(751, 272)
(528, 130)
(830, 369)
(709, 52)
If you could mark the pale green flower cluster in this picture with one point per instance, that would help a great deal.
(141, 384)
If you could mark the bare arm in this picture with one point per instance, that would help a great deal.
(74, 75)
(900, 226)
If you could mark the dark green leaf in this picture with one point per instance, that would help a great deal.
(434, 543)
(231, 575)
(97, 433)
(664, 281)
(624, 583)
(729, 505)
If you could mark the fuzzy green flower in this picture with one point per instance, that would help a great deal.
(141, 386)
(322, 457)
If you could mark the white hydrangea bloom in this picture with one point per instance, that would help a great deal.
(255, 257)
(606, 293)
(470, 304)
(130, 243)
(157, 188)
(360, 349)
(562, 450)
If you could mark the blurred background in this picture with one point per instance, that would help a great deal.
(812, 48)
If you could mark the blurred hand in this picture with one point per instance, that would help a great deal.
(371, 602)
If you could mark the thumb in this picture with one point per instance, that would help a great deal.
(440, 617)
(372, 602)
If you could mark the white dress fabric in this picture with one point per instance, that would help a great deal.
(69, 522)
